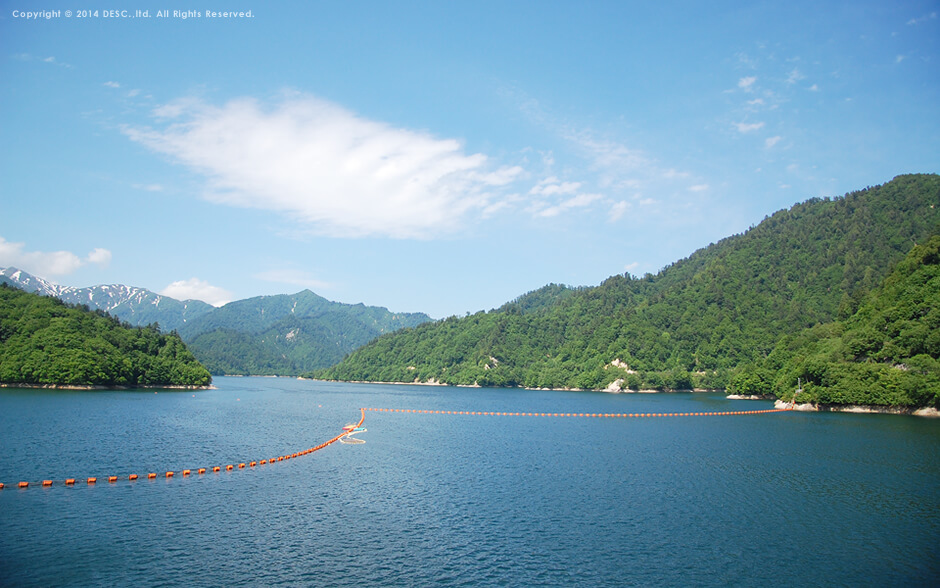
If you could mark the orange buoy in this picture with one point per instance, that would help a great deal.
(186, 472)
(216, 468)
(201, 471)
(253, 464)
(2, 486)
(169, 474)
(70, 481)
(24, 485)
(228, 468)
(112, 479)
(241, 466)
(47, 482)
(91, 480)
(151, 476)
(132, 477)
(264, 461)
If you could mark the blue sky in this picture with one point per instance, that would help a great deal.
(442, 157)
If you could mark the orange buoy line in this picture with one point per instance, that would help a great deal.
(91, 481)
(580, 414)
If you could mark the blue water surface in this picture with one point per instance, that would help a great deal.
(787, 499)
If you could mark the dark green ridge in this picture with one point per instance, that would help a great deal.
(44, 341)
(886, 354)
(692, 324)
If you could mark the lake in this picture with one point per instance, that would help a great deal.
(784, 498)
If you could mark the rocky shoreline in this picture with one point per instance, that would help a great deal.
(860, 409)
(807, 407)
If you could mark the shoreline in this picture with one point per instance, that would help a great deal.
(434, 382)
(925, 411)
(101, 387)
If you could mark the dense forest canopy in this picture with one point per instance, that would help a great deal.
(287, 334)
(885, 354)
(692, 324)
(46, 341)
(283, 334)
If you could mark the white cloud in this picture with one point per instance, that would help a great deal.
(748, 127)
(196, 289)
(133, 93)
(579, 201)
(611, 155)
(326, 167)
(50, 60)
(756, 102)
(99, 256)
(551, 186)
(48, 263)
(795, 76)
(698, 188)
(771, 141)
(814, 88)
(672, 174)
(293, 277)
(746, 83)
(608, 165)
(112, 84)
(916, 21)
(618, 210)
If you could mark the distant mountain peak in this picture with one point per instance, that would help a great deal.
(138, 306)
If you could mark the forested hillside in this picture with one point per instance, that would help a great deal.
(689, 325)
(885, 354)
(287, 334)
(137, 306)
(45, 341)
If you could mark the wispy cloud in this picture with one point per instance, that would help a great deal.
(746, 83)
(699, 188)
(330, 169)
(552, 185)
(771, 141)
(50, 60)
(617, 210)
(925, 18)
(196, 289)
(579, 201)
(743, 127)
(48, 263)
(602, 171)
(112, 84)
(794, 76)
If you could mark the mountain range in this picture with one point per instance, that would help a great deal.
(693, 324)
(719, 314)
(285, 334)
(137, 306)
